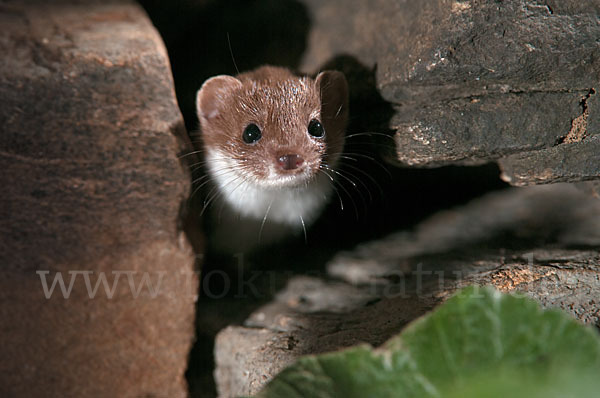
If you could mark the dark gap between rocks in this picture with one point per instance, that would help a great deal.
(198, 35)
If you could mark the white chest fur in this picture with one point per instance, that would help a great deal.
(292, 206)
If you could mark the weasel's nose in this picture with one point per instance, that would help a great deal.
(290, 162)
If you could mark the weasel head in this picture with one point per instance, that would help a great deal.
(272, 129)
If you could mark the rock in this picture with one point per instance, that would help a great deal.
(577, 161)
(539, 241)
(478, 81)
(92, 188)
(590, 187)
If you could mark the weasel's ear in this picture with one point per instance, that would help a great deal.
(213, 93)
(334, 94)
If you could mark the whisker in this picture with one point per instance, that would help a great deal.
(217, 173)
(349, 196)
(348, 158)
(197, 165)
(199, 179)
(303, 228)
(200, 187)
(210, 197)
(327, 174)
(369, 134)
(391, 147)
(351, 200)
(375, 161)
(231, 52)
(208, 201)
(362, 197)
(334, 188)
(373, 180)
(243, 180)
(189, 154)
(264, 220)
(341, 171)
(344, 177)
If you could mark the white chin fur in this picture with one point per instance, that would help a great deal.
(285, 205)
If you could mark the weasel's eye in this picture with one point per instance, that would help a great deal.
(315, 128)
(251, 134)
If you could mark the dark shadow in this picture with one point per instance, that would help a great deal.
(210, 37)
(368, 110)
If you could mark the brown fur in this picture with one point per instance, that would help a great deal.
(281, 105)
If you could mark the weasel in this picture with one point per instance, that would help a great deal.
(271, 142)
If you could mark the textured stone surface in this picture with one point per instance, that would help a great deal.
(540, 241)
(576, 161)
(474, 81)
(92, 187)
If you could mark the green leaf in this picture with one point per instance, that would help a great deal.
(480, 343)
